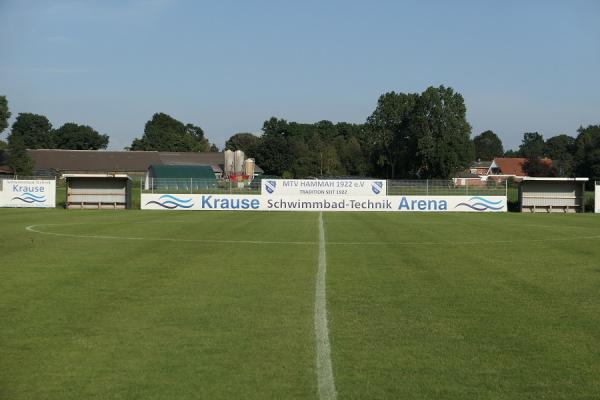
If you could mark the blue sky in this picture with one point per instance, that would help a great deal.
(227, 66)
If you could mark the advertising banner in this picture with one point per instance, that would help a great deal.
(28, 193)
(323, 187)
(222, 202)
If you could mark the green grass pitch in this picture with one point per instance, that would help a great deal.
(216, 305)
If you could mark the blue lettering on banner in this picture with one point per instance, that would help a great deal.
(29, 189)
(228, 203)
(422, 205)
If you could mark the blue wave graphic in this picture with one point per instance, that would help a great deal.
(30, 198)
(485, 200)
(177, 199)
(33, 195)
(172, 202)
(480, 206)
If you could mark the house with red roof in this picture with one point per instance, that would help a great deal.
(511, 167)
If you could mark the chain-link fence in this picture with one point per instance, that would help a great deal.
(451, 187)
(204, 186)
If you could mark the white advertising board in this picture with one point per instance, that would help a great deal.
(323, 187)
(220, 202)
(28, 193)
(597, 198)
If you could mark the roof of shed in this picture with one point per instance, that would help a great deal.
(120, 161)
(93, 160)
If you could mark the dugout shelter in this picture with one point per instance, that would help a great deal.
(566, 195)
(98, 191)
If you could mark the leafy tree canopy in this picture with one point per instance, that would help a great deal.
(537, 167)
(442, 133)
(242, 141)
(18, 159)
(487, 146)
(561, 149)
(78, 137)
(391, 141)
(587, 152)
(4, 113)
(533, 145)
(299, 150)
(165, 133)
(34, 129)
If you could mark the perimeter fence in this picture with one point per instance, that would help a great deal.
(425, 187)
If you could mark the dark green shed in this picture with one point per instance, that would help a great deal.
(180, 177)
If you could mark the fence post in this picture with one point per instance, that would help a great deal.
(427, 187)
(191, 183)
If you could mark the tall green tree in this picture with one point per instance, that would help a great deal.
(561, 149)
(442, 133)
(165, 133)
(533, 145)
(18, 159)
(487, 146)
(4, 113)
(273, 153)
(78, 137)
(391, 141)
(537, 167)
(244, 141)
(587, 152)
(34, 129)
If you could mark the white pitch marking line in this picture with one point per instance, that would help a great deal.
(31, 228)
(325, 381)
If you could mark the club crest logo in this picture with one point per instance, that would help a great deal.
(270, 186)
(377, 187)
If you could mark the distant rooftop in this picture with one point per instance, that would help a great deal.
(120, 161)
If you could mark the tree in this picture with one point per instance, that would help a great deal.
(587, 152)
(389, 125)
(165, 133)
(511, 153)
(78, 137)
(487, 146)
(18, 159)
(4, 113)
(273, 153)
(537, 167)
(442, 133)
(200, 142)
(242, 141)
(34, 129)
(561, 149)
(532, 146)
